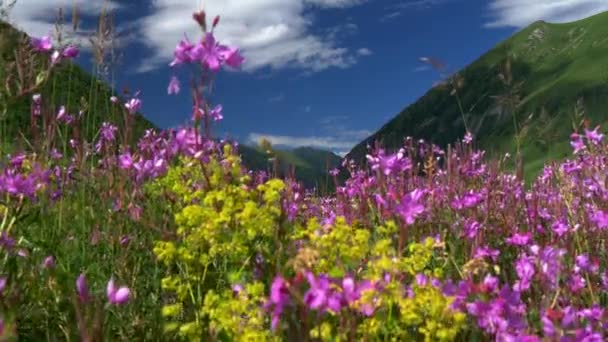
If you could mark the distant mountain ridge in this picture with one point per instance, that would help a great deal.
(551, 75)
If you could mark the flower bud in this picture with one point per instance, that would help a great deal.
(199, 17)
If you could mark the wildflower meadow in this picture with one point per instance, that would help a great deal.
(173, 238)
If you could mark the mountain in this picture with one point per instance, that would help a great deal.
(308, 165)
(537, 85)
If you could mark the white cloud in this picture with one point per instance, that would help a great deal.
(520, 13)
(336, 3)
(336, 137)
(271, 33)
(330, 143)
(38, 17)
(364, 52)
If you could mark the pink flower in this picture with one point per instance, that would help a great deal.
(594, 136)
(468, 138)
(577, 143)
(133, 105)
(2, 284)
(232, 57)
(173, 87)
(182, 53)
(81, 288)
(216, 113)
(43, 44)
(117, 296)
(410, 208)
(209, 52)
(70, 52)
(49, 262)
(125, 161)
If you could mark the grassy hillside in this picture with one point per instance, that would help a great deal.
(67, 84)
(535, 86)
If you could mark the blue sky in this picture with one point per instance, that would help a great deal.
(323, 73)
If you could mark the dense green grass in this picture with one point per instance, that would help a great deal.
(558, 65)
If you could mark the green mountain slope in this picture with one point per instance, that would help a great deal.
(308, 165)
(555, 71)
(67, 84)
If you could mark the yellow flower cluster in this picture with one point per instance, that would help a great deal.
(222, 223)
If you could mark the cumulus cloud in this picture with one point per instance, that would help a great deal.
(520, 13)
(271, 33)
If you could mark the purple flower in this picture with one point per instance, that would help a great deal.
(108, 131)
(469, 200)
(70, 52)
(173, 87)
(491, 283)
(560, 228)
(550, 264)
(237, 289)
(182, 53)
(486, 252)
(410, 208)
(316, 297)
(216, 113)
(520, 239)
(81, 288)
(581, 263)
(278, 300)
(49, 262)
(124, 240)
(525, 271)
(209, 52)
(600, 218)
(133, 105)
(125, 161)
(594, 136)
(231, 56)
(577, 143)
(471, 228)
(388, 164)
(468, 138)
(548, 327)
(115, 295)
(63, 116)
(2, 284)
(42, 44)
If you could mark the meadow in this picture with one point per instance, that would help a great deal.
(172, 238)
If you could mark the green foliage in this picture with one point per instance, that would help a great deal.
(222, 224)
